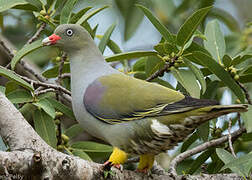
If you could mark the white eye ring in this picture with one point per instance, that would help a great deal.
(69, 32)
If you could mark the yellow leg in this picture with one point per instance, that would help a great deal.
(146, 162)
(118, 156)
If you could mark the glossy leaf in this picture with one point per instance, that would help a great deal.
(89, 146)
(218, 70)
(61, 107)
(152, 65)
(20, 96)
(12, 76)
(66, 12)
(158, 25)
(45, 127)
(203, 131)
(78, 15)
(7, 4)
(11, 86)
(46, 106)
(140, 64)
(198, 74)
(243, 161)
(227, 157)
(189, 27)
(246, 116)
(240, 59)
(226, 60)
(87, 16)
(188, 81)
(80, 153)
(106, 37)
(189, 141)
(53, 72)
(24, 51)
(200, 160)
(73, 131)
(129, 55)
(215, 42)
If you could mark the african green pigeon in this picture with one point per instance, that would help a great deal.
(134, 116)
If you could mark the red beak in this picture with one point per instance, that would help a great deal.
(51, 39)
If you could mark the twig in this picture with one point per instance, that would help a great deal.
(37, 93)
(63, 59)
(37, 34)
(47, 85)
(159, 72)
(65, 75)
(230, 138)
(245, 92)
(29, 69)
(200, 148)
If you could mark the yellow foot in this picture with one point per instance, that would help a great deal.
(145, 163)
(117, 158)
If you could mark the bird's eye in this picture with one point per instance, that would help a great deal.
(69, 32)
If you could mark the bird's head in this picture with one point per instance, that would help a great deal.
(68, 37)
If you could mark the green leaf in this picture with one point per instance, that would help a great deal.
(240, 59)
(114, 47)
(20, 96)
(219, 71)
(66, 12)
(46, 106)
(43, 2)
(87, 16)
(203, 131)
(11, 86)
(12, 76)
(198, 74)
(200, 160)
(246, 116)
(187, 79)
(61, 107)
(153, 64)
(243, 164)
(215, 42)
(130, 55)
(8, 4)
(189, 141)
(45, 127)
(80, 153)
(36, 3)
(73, 131)
(78, 15)
(165, 48)
(227, 60)
(89, 146)
(227, 157)
(26, 7)
(189, 27)
(140, 64)
(158, 25)
(105, 38)
(54, 71)
(24, 51)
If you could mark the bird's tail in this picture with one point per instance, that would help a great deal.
(201, 115)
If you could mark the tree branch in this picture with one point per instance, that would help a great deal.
(200, 148)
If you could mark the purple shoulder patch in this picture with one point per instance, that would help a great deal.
(93, 96)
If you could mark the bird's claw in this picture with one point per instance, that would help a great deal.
(107, 166)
